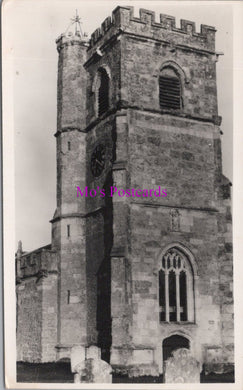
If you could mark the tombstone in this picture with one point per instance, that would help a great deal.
(77, 356)
(77, 362)
(182, 367)
(88, 367)
(98, 371)
(93, 352)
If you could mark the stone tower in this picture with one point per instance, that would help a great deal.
(139, 273)
(68, 224)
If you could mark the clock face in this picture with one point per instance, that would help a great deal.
(98, 160)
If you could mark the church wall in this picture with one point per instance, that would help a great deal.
(71, 102)
(151, 166)
(95, 253)
(69, 219)
(226, 274)
(99, 219)
(177, 155)
(72, 284)
(103, 133)
(106, 226)
(37, 306)
(49, 318)
(29, 321)
(197, 232)
(71, 156)
(110, 61)
(141, 65)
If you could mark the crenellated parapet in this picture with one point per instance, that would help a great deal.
(37, 263)
(70, 39)
(123, 20)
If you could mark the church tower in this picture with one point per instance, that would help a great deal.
(142, 229)
(69, 224)
(141, 272)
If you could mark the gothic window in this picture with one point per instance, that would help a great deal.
(103, 92)
(169, 89)
(176, 295)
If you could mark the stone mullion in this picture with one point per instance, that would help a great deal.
(177, 296)
(188, 292)
(190, 298)
(167, 305)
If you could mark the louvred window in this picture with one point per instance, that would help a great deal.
(169, 90)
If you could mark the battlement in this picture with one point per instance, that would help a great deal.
(36, 263)
(71, 39)
(123, 20)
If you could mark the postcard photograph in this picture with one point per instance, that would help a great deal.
(118, 185)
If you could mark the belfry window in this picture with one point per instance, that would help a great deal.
(169, 89)
(103, 92)
(176, 295)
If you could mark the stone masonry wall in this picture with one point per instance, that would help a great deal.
(36, 294)
(29, 321)
(179, 155)
(72, 284)
(197, 232)
(140, 70)
(98, 220)
(71, 98)
(49, 317)
(226, 275)
(69, 219)
(176, 154)
(111, 62)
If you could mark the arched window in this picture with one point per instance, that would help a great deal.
(103, 92)
(169, 89)
(176, 291)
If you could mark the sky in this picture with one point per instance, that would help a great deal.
(31, 28)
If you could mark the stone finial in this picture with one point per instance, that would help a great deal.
(73, 34)
(19, 250)
(76, 21)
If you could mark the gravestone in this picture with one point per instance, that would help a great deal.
(98, 371)
(93, 352)
(88, 367)
(182, 367)
(77, 362)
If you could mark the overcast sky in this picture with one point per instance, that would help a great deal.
(32, 28)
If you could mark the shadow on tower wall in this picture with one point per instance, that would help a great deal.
(104, 279)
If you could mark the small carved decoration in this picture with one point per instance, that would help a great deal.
(175, 220)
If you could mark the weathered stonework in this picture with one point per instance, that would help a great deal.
(101, 280)
(182, 368)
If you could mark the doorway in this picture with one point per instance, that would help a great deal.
(172, 343)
